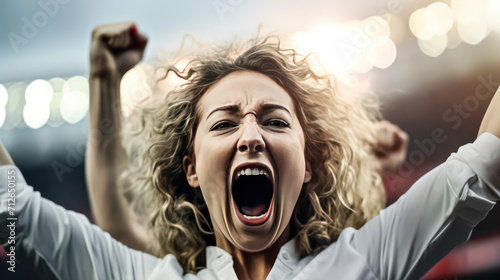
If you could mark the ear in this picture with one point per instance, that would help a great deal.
(190, 171)
(308, 174)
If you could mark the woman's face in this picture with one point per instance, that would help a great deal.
(250, 164)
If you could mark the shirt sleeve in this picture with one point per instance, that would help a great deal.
(61, 243)
(438, 213)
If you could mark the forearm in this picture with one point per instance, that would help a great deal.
(105, 161)
(104, 151)
(491, 119)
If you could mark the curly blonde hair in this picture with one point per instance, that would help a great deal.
(345, 190)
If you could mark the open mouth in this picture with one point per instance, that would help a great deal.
(252, 190)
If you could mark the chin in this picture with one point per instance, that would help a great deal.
(255, 238)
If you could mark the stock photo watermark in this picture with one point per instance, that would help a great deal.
(11, 220)
(371, 28)
(222, 7)
(454, 116)
(32, 25)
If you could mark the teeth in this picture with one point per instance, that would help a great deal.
(251, 172)
(254, 217)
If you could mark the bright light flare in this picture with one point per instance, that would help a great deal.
(327, 43)
(438, 18)
(357, 45)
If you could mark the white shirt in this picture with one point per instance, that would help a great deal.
(403, 242)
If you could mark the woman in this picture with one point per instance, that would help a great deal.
(262, 121)
(115, 49)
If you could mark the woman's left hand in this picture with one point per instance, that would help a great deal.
(390, 147)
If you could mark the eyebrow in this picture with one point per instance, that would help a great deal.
(234, 109)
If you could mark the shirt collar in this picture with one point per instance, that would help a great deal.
(221, 262)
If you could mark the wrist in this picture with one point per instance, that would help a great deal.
(104, 73)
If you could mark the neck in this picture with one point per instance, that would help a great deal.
(256, 265)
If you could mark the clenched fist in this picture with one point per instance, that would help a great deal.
(390, 147)
(115, 49)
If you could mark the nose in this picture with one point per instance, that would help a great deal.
(251, 139)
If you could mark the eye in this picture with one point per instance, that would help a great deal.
(276, 123)
(222, 126)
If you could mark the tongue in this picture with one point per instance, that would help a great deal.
(255, 210)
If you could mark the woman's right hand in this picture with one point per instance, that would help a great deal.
(115, 49)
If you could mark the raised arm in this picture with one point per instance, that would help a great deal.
(438, 212)
(115, 49)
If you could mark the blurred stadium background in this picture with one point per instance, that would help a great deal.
(434, 65)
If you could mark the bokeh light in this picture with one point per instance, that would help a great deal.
(362, 64)
(418, 26)
(468, 21)
(55, 119)
(382, 52)
(74, 106)
(39, 92)
(375, 26)
(134, 88)
(38, 96)
(438, 18)
(36, 115)
(434, 46)
(14, 106)
(77, 83)
(472, 28)
(75, 99)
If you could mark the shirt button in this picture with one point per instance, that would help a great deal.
(286, 256)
